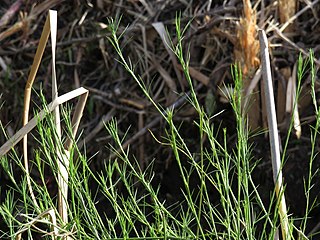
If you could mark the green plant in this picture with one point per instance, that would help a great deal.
(236, 211)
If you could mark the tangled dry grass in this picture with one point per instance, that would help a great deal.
(220, 34)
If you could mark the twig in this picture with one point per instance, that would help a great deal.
(38, 9)
(10, 13)
(273, 133)
(304, 52)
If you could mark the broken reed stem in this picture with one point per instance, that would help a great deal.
(273, 133)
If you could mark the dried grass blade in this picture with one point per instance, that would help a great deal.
(62, 157)
(296, 118)
(76, 119)
(53, 223)
(53, 30)
(33, 122)
(159, 27)
(291, 105)
(289, 96)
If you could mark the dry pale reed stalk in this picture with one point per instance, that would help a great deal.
(273, 133)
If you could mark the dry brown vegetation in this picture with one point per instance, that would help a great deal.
(221, 33)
